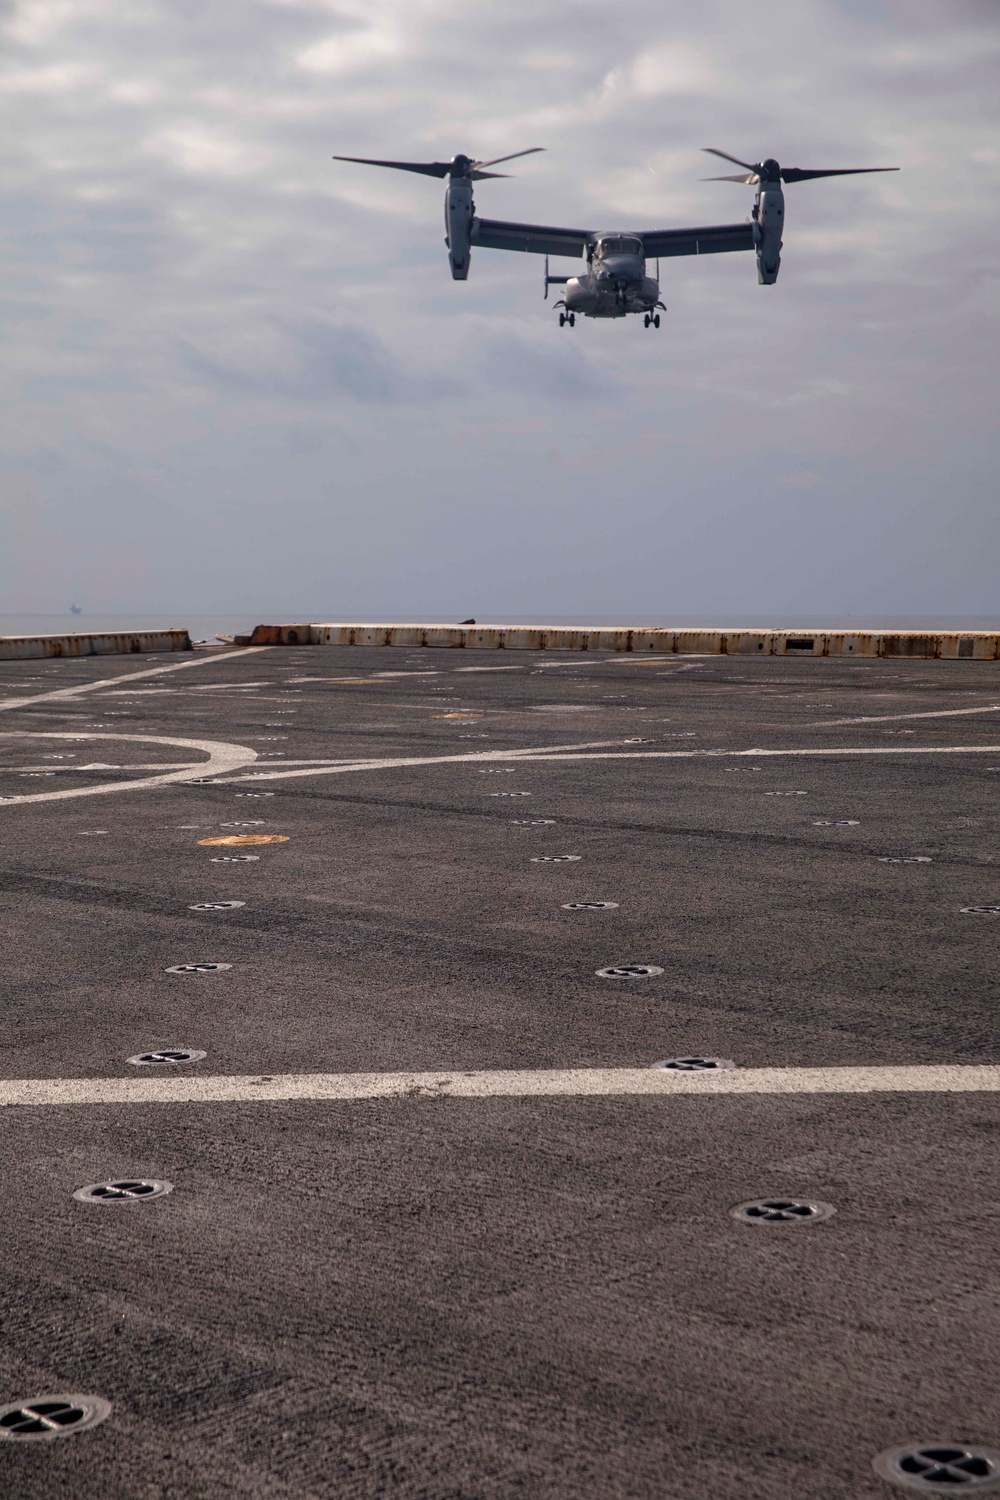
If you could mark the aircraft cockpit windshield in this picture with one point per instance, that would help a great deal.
(619, 244)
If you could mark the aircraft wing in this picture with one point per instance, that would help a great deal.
(543, 239)
(708, 241)
(540, 239)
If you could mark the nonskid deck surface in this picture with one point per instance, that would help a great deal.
(454, 1276)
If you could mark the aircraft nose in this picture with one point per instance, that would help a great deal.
(620, 268)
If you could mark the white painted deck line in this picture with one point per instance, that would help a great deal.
(568, 1083)
(91, 687)
(938, 713)
(542, 756)
(473, 757)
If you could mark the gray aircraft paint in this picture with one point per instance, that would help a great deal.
(615, 282)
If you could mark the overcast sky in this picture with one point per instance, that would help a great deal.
(238, 376)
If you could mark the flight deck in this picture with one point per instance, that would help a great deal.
(468, 1073)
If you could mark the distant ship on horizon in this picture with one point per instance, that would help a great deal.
(75, 609)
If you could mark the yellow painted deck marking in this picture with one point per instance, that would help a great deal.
(243, 839)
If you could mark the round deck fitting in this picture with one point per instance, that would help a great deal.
(935, 1467)
(44, 1417)
(694, 1064)
(196, 968)
(166, 1056)
(628, 971)
(782, 1211)
(124, 1190)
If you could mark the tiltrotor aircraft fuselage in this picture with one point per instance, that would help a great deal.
(616, 281)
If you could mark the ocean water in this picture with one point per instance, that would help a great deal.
(200, 627)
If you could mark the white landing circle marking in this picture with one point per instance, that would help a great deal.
(542, 1083)
(221, 757)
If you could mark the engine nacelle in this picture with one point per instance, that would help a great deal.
(768, 222)
(458, 211)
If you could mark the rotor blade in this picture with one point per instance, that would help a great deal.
(478, 176)
(750, 166)
(498, 159)
(428, 168)
(796, 174)
(749, 179)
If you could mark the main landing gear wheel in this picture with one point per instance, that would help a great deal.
(646, 321)
(656, 320)
(562, 320)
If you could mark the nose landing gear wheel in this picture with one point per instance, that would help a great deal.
(656, 320)
(562, 320)
(571, 319)
(645, 321)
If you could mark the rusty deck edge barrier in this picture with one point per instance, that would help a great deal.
(114, 643)
(947, 645)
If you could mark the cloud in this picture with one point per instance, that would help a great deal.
(530, 368)
(674, 68)
(206, 151)
(318, 361)
(352, 52)
(189, 278)
(54, 78)
(35, 22)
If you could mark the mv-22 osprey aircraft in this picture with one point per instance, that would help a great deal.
(616, 282)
